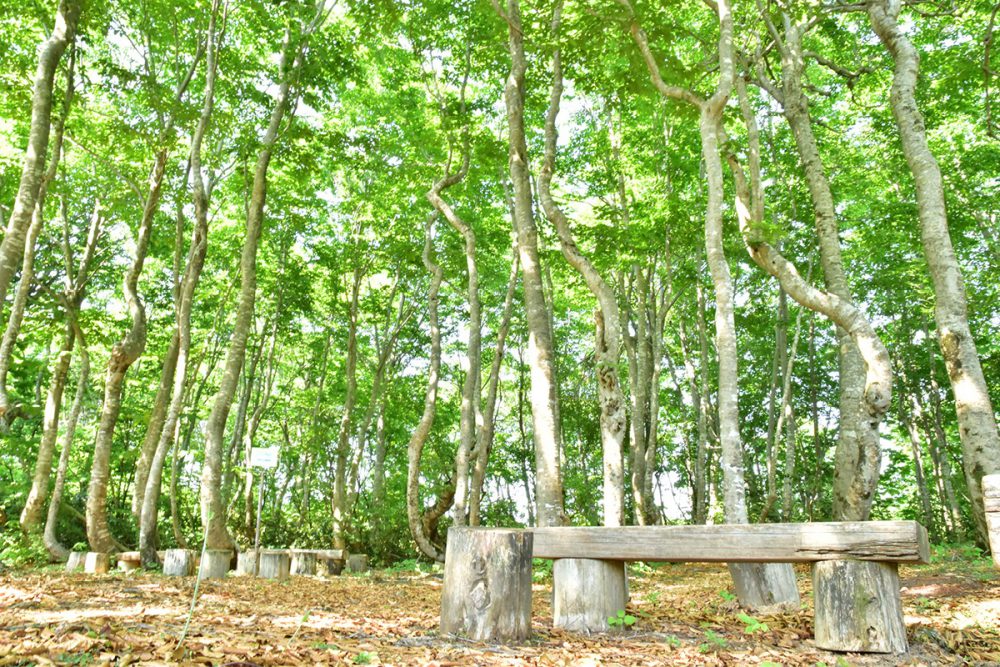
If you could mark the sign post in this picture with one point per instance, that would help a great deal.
(261, 457)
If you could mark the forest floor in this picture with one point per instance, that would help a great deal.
(684, 615)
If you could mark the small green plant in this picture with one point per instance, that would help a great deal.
(653, 597)
(621, 620)
(76, 658)
(768, 663)
(751, 624)
(364, 658)
(727, 596)
(323, 646)
(713, 642)
(541, 570)
(673, 641)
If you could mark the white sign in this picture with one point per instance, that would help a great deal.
(264, 457)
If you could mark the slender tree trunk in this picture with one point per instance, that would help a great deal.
(31, 515)
(342, 456)
(184, 303)
(123, 355)
(418, 439)
(50, 536)
(977, 425)
(541, 358)
(49, 54)
(486, 433)
(606, 319)
(157, 417)
(24, 283)
(472, 385)
(213, 519)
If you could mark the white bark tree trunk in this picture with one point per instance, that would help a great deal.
(541, 359)
(977, 424)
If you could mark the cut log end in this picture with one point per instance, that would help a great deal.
(274, 565)
(858, 607)
(487, 585)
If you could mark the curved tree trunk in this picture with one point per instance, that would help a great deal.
(977, 424)
(541, 358)
(415, 447)
(606, 319)
(486, 433)
(16, 317)
(49, 54)
(472, 385)
(123, 355)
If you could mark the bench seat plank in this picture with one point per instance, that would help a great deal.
(889, 541)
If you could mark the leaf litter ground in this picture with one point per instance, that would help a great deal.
(684, 615)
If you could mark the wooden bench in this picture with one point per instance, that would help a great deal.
(272, 562)
(487, 584)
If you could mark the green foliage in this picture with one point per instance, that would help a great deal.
(621, 620)
(364, 658)
(751, 624)
(713, 642)
(20, 550)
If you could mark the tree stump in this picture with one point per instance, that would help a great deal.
(76, 561)
(97, 563)
(585, 592)
(765, 586)
(178, 562)
(487, 584)
(274, 565)
(215, 563)
(303, 563)
(246, 562)
(991, 499)
(858, 607)
(357, 563)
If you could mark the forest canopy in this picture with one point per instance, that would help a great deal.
(491, 263)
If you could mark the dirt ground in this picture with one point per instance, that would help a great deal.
(684, 615)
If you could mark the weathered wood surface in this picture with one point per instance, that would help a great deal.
(487, 584)
(894, 541)
(303, 563)
(357, 563)
(215, 563)
(129, 560)
(858, 607)
(769, 587)
(178, 562)
(246, 562)
(991, 498)
(586, 592)
(96, 563)
(76, 561)
(274, 564)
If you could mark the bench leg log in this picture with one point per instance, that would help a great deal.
(178, 562)
(487, 584)
(585, 592)
(303, 564)
(991, 501)
(76, 561)
(858, 607)
(97, 563)
(215, 563)
(274, 565)
(246, 562)
(765, 586)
